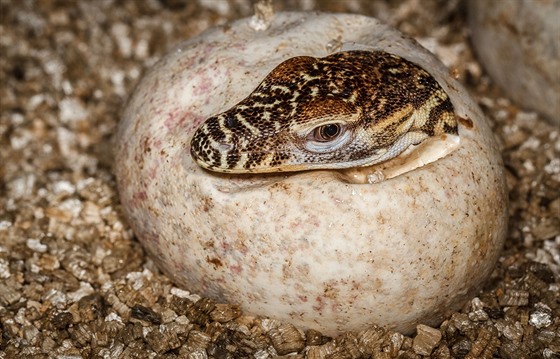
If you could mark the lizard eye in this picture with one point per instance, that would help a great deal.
(328, 138)
(327, 133)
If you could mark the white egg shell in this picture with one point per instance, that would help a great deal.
(307, 248)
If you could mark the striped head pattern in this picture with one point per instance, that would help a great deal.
(348, 109)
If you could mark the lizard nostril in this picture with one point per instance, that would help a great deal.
(231, 123)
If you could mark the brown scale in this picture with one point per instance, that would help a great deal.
(360, 93)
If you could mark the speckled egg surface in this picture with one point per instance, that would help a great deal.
(310, 248)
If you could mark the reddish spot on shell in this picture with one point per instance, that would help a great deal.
(203, 86)
(236, 268)
(139, 196)
(172, 121)
(320, 304)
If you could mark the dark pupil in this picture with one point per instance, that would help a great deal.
(330, 131)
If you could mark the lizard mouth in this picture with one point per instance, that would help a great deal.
(222, 157)
(415, 156)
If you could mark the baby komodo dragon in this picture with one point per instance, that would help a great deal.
(348, 109)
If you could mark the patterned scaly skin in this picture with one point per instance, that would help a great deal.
(348, 109)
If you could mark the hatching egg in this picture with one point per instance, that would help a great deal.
(395, 244)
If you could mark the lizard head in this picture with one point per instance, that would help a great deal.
(349, 109)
